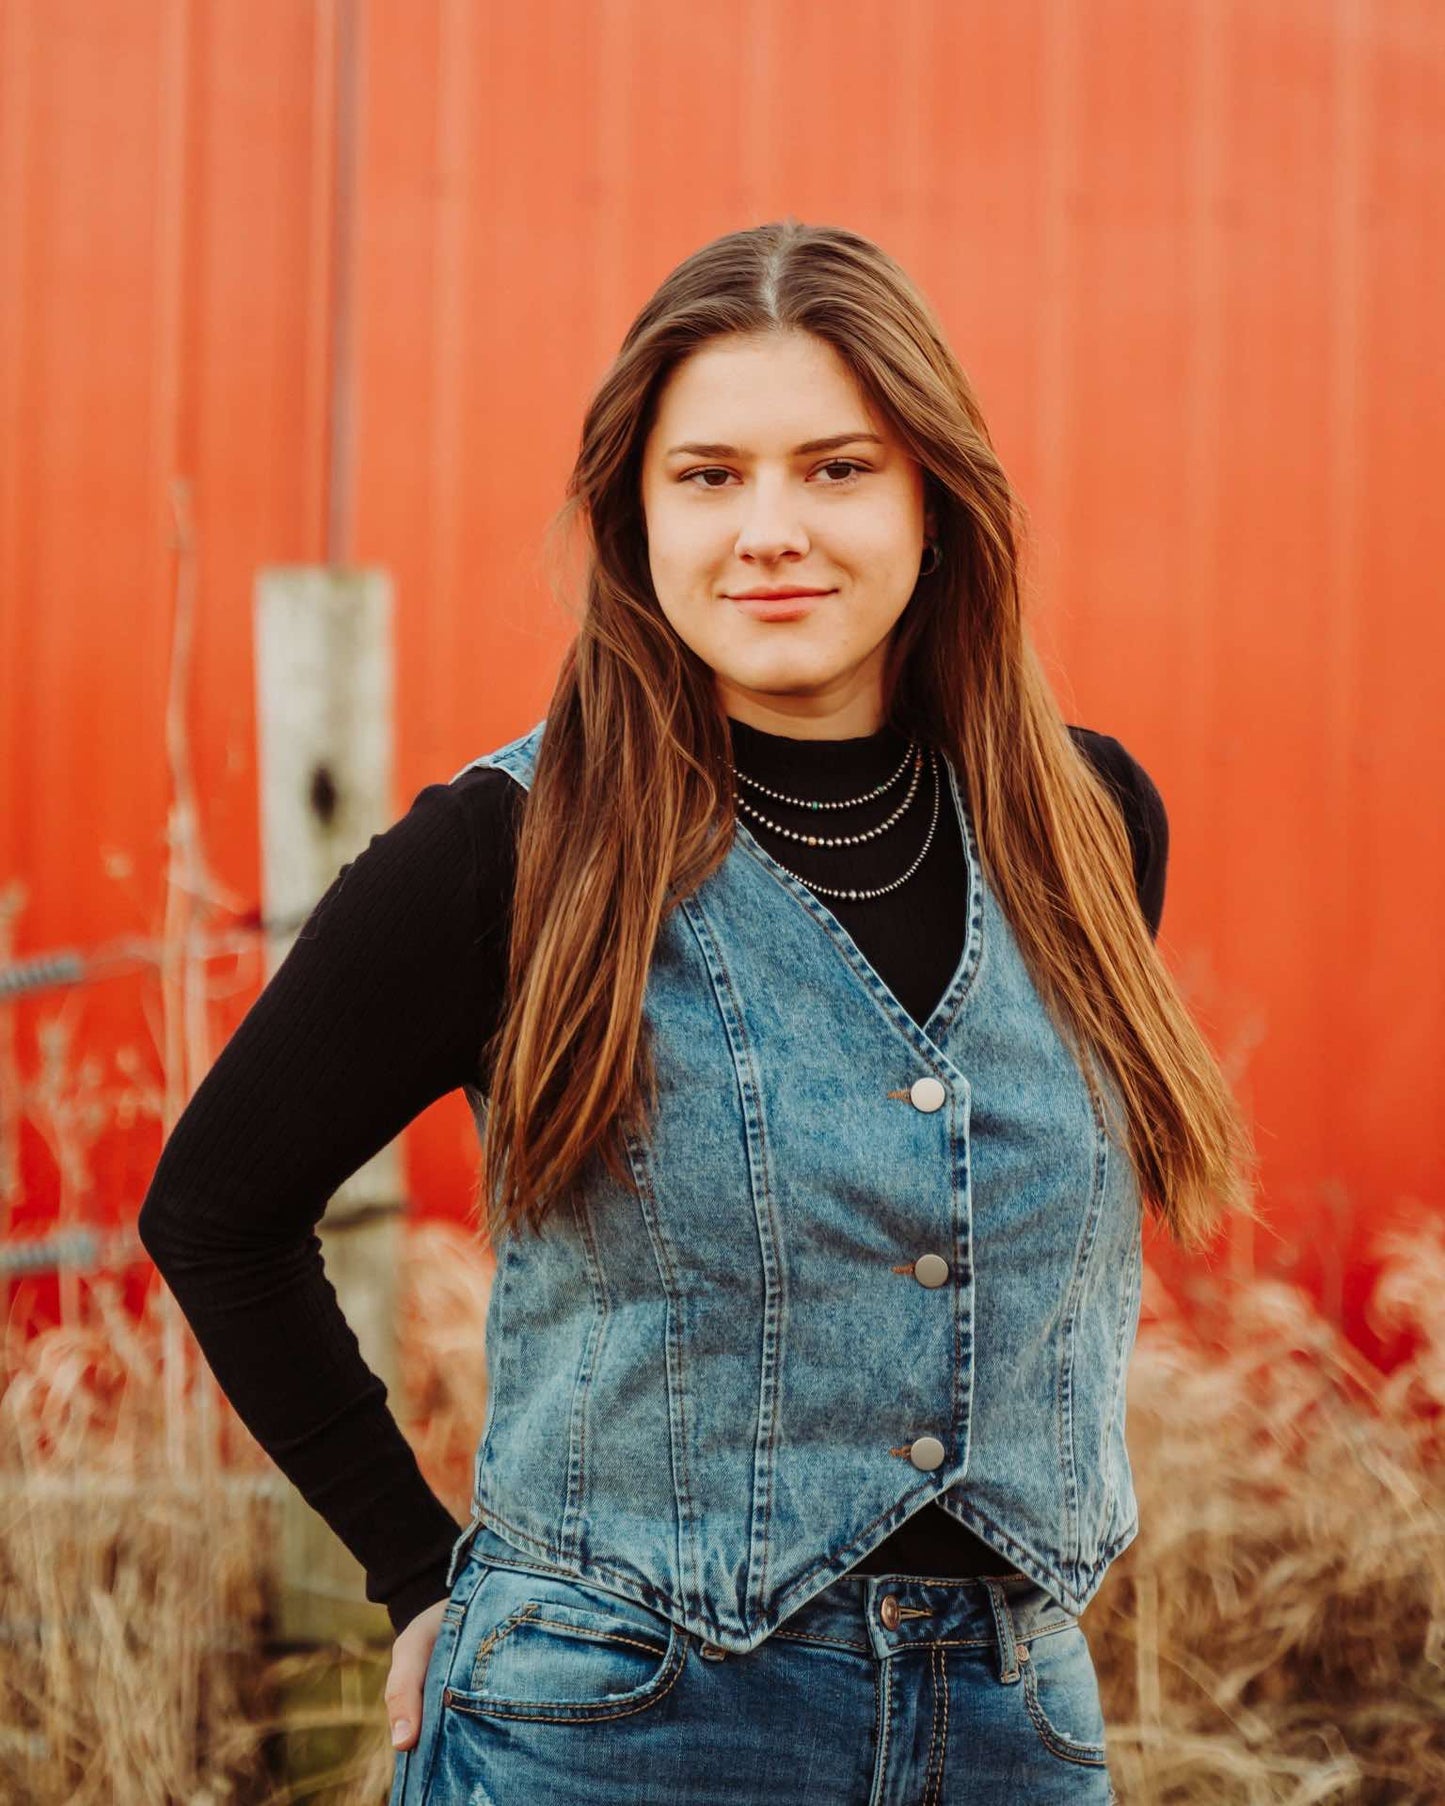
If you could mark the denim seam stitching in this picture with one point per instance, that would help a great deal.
(677, 1410)
(581, 1391)
(516, 1559)
(1118, 1396)
(1004, 1634)
(764, 1204)
(1087, 1755)
(1083, 1253)
(599, 1636)
(885, 1728)
(671, 1668)
(495, 1346)
(537, 1542)
(482, 1654)
(933, 1778)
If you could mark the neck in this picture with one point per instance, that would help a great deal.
(808, 717)
(811, 765)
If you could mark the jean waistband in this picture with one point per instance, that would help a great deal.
(881, 1612)
(886, 1612)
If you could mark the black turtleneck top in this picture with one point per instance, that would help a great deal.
(383, 1005)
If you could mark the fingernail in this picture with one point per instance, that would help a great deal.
(400, 1731)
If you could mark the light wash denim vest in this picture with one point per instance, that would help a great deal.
(869, 1265)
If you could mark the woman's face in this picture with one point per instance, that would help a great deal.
(766, 470)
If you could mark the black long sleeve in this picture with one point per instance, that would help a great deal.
(384, 1004)
(1144, 816)
(380, 1007)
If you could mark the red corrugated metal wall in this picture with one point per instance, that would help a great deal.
(1190, 253)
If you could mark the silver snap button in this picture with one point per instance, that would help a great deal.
(888, 1611)
(928, 1093)
(711, 1653)
(930, 1270)
(926, 1453)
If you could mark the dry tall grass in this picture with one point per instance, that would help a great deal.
(134, 1663)
(1277, 1633)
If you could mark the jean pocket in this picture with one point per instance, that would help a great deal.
(548, 1647)
(1061, 1688)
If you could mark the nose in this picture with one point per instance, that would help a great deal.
(771, 525)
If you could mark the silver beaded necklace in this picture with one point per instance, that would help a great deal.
(837, 840)
(848, 802)
(852, 895)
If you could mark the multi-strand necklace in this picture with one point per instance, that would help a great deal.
(913, 758)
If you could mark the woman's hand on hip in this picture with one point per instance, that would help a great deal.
(410, 1654)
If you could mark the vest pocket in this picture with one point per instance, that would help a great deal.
(543, 1648)
(1061, 1690)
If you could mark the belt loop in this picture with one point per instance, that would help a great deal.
(1008, 1660)
(461, 1544)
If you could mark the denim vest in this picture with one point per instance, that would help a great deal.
(869, 1264)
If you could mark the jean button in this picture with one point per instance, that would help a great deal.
(711, 1653)
(926, 1453)
(888, 1611)
(930, 1270)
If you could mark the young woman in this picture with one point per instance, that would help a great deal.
(798, 966)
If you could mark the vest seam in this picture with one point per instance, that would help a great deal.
(581, 1391)
(1072, 1552)
(677, 1415)
(496, 1311)
(763, 1201)
(1118, 1394)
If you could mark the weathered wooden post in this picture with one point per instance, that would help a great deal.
(324, 737)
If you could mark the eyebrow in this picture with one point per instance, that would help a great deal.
(718, 450)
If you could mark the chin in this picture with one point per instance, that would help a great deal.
(779, 680)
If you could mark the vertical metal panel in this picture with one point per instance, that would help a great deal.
(159, 269)
(1188, 250)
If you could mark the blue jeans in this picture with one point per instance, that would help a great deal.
(881, 1690)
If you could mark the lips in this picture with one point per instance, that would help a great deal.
(788, 602)
(776, 595)
(778, 608)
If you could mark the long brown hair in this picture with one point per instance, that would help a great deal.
(630, 808)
